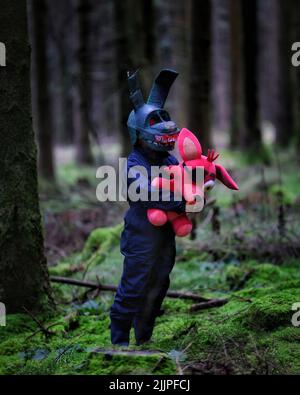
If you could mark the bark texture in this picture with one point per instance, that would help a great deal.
(252, 138)
(41, 83)
(81, 95)
(23, 273)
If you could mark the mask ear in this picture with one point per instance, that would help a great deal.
(188, 145)
(225, 178)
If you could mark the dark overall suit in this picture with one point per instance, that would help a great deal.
(149, 253)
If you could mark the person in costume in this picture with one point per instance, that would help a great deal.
(149, 251)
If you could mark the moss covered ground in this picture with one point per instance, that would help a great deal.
(253, 262)
(251, 334)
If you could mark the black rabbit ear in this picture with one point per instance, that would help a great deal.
(161, 87)
(136, 95)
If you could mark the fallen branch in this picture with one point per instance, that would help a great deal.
(128, 353)
(208, 304)
(42, 328)
(113, 288)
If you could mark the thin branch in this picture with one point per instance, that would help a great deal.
(208, 304)
(113, 288)
(43, 329)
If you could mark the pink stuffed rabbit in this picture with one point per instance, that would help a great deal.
(183, 180)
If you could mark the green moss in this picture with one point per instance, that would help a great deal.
(257, 278)
(239, 334)
(237, 276)
(252, 333)
(288, 334)
(72, 352)
(102, 239)
(12, 345)
(16, 324)
(70, 173)
(10, 365)
(100, 244)
(101, 258)
(173, 306)
(264, 274)
(272, 311)
(62, 269)
(118, 365)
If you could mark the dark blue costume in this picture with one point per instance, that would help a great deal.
(149, 253)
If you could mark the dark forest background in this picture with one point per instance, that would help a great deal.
(237, 87)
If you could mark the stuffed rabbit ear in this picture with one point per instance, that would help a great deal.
(188, 145)
(225, 178)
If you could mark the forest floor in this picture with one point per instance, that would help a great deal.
(246, 250)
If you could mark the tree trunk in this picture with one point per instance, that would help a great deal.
(103, 106)
(295, 37)
(23, 273)
(200, 71)
(81, 96)
(220, 65)
(252, 139)
(285, 109)
(41, 95)
(171, 25)
(237, 128)
(269, 71)
(133, 51)
(61, 31)
(125, 63)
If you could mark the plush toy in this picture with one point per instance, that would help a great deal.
(183, 180)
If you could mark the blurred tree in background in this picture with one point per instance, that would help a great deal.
(134, 50)
(249, 18)
(234, 59)
(237, 119)
(41, 88)
(295, 37)
(200, 71)
(82, 85)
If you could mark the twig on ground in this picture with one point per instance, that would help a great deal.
(158, 363)
(208, 304)
(133, 353)
(43, 329)
(179, 368)
(113, 288)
